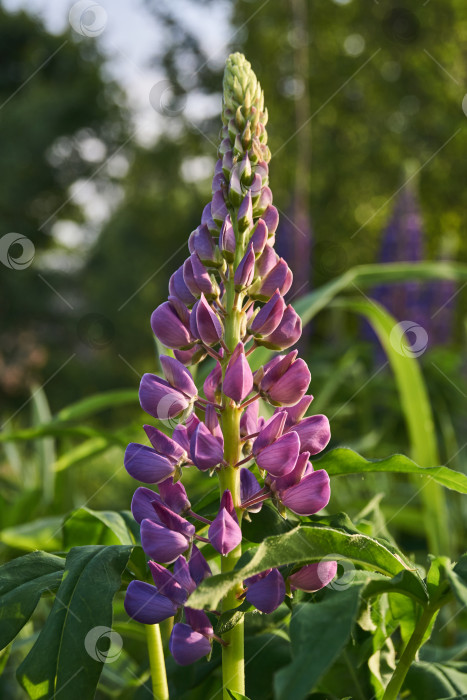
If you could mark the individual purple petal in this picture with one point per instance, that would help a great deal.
(238, 380)
(298, 472)
(180, 435)
(178, 376)
(199, 621)
(169, 328)
(201, 275)
(146, 465)
(173, 521)
(287, 332)
(266, 261)
(228, 504)
(296, 413)
(218, 208)
(142, 504)
(144, 604)
(276, 368)
(224, 533)
(291, 387)
(259, 237)
(279, 458)
(201, 242)
(314, 433)
(160, 543)
(267, 593)
(269, 316)
(167, 584)
(312, 577)
(245, 272)
(310, 495)
(271, 218)
(161, 400)
(249, 486)
(178, 288)
(199, 568)
(165, 445)
(183, 576)
(245, 213)
(209, 328)
(271, 430)
(256, 577)
(206, 218)
(206, 450)
(264, 201)
(191, 356)
(227, 243)
(212, 383)
(249, 420)
(280, 277)
(174, 495)
(186, 645)
(211, 422)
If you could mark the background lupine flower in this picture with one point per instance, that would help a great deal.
(225, 300)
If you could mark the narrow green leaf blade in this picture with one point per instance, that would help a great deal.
(64, 657)
(342, 461)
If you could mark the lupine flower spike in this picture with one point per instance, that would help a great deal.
(225, 301)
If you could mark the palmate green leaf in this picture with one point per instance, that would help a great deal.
(301, 545)
(319, 632)
(343, 461)
(65, 658)
(22, 582)
(86, 526)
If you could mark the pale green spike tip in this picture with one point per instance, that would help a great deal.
(240, 82)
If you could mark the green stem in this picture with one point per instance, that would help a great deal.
(408, 655)
(157, 663)
(233, 667)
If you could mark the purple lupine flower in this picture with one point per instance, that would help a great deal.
(310, 495)
(232, 270)
(146, 465)
(266, 591)
(204, 323)
(186, 645)
(269, 317)
(287, 332)
(312, 577)
(224, 532)
(207, 450)
(170, 326)
(238, 380)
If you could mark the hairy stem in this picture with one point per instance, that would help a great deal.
(408, 655)
(157, 663)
